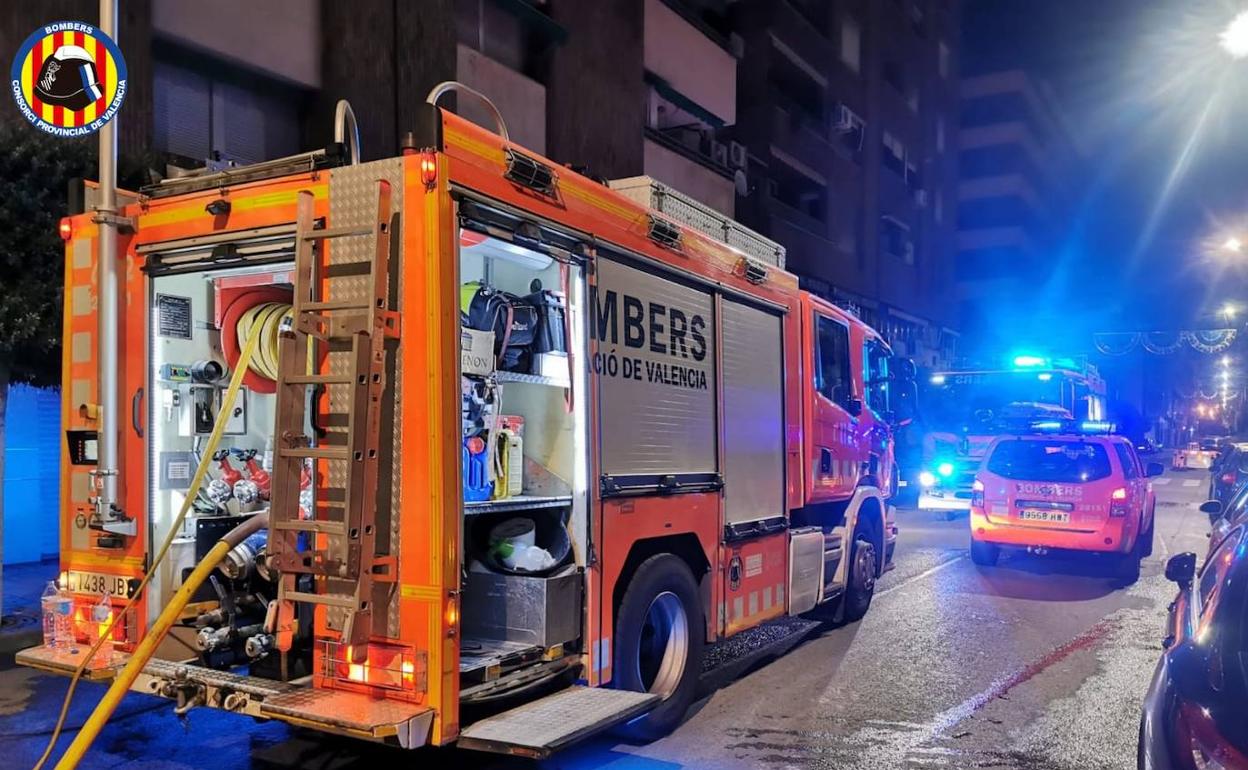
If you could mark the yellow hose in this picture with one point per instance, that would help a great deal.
(168, 616)
(266, 319)
(218, 429)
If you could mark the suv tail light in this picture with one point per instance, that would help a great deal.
(1118, 503)
(977, 494)
(1228, 478)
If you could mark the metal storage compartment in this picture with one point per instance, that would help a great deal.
(544, 611)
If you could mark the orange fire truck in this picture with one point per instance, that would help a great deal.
(524, 443)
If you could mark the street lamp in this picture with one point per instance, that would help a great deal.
(1233, 245)
(1226, 362)
(1234, 39)
(1229, 311)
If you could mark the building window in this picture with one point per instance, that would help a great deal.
(912, 99)
(940, 133)
(894, 154)
(895, 239)
(832, 378)
(944, 59)
(938, 207)
(223, 114)
(894, 76)
(851, 44)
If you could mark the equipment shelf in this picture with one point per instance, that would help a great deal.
(517, 503)
(533, 379)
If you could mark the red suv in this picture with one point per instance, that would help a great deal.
(1068, 490)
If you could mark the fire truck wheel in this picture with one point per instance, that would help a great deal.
(984, 554)
(863, 566)
(659, 636)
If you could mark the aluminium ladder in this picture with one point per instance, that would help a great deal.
(334, 539)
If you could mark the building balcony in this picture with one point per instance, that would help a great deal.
(689, 173)
(690, 62)
(798, 36)
(799, 134)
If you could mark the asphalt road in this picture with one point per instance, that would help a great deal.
(1037, 664)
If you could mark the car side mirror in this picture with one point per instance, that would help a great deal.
(904, 402)
(1181, 569)
(1212, 508)
(1154, 469)
(904, 369)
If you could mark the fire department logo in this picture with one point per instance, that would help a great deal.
(68, 78)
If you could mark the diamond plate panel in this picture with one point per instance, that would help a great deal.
(548, 724)
(344, 710)
(353, 201)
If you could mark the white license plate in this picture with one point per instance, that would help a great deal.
(1055, 517)
(98, 583)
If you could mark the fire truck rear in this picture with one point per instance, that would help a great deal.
(524, 444)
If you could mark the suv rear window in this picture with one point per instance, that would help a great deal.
(1032, 460)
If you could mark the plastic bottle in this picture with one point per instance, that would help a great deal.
(64, 623)
(101, 621)
(48, 602)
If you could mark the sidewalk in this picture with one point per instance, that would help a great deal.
(20, 626)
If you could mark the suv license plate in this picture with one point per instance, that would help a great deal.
(1055, 517)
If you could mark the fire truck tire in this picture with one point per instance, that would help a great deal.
(660, 632)
(985, 554)
(863, 567)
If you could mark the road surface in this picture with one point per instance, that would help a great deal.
(1037, 664)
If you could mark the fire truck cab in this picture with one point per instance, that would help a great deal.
(526, 442)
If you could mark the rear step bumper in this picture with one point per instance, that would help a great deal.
(541, 728)
(355, 715)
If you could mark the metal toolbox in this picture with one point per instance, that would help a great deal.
(545, 611)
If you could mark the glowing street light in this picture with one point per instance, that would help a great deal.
(1234, 39)
(1229, 311)
(1226, 361)
(1233, 245)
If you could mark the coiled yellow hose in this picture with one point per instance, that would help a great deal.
(267, 318)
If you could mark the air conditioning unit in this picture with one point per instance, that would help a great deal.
(736, 155)
(845, 120)
(719, 153)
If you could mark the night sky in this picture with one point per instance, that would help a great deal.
(1160, 113)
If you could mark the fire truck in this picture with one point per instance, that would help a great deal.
(507, 447)
(965, 408)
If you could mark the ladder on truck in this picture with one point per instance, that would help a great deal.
(334, 539)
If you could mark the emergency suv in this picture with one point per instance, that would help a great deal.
(1072, 487)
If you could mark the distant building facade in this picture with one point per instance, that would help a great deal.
(848, 111)
(824, 124)
(1014, 203)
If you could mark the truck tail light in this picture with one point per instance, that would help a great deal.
(1228, 478)
(977, 494)
(385, 666)
(66, 229)
(428, 170)
(1118, 503)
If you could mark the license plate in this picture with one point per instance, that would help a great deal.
(1055, 517)
(98, 583)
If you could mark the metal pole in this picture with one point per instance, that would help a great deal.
(109, 300)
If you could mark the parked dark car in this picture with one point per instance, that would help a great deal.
(1193, 715)
(1229, 471)
(1225, 515)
